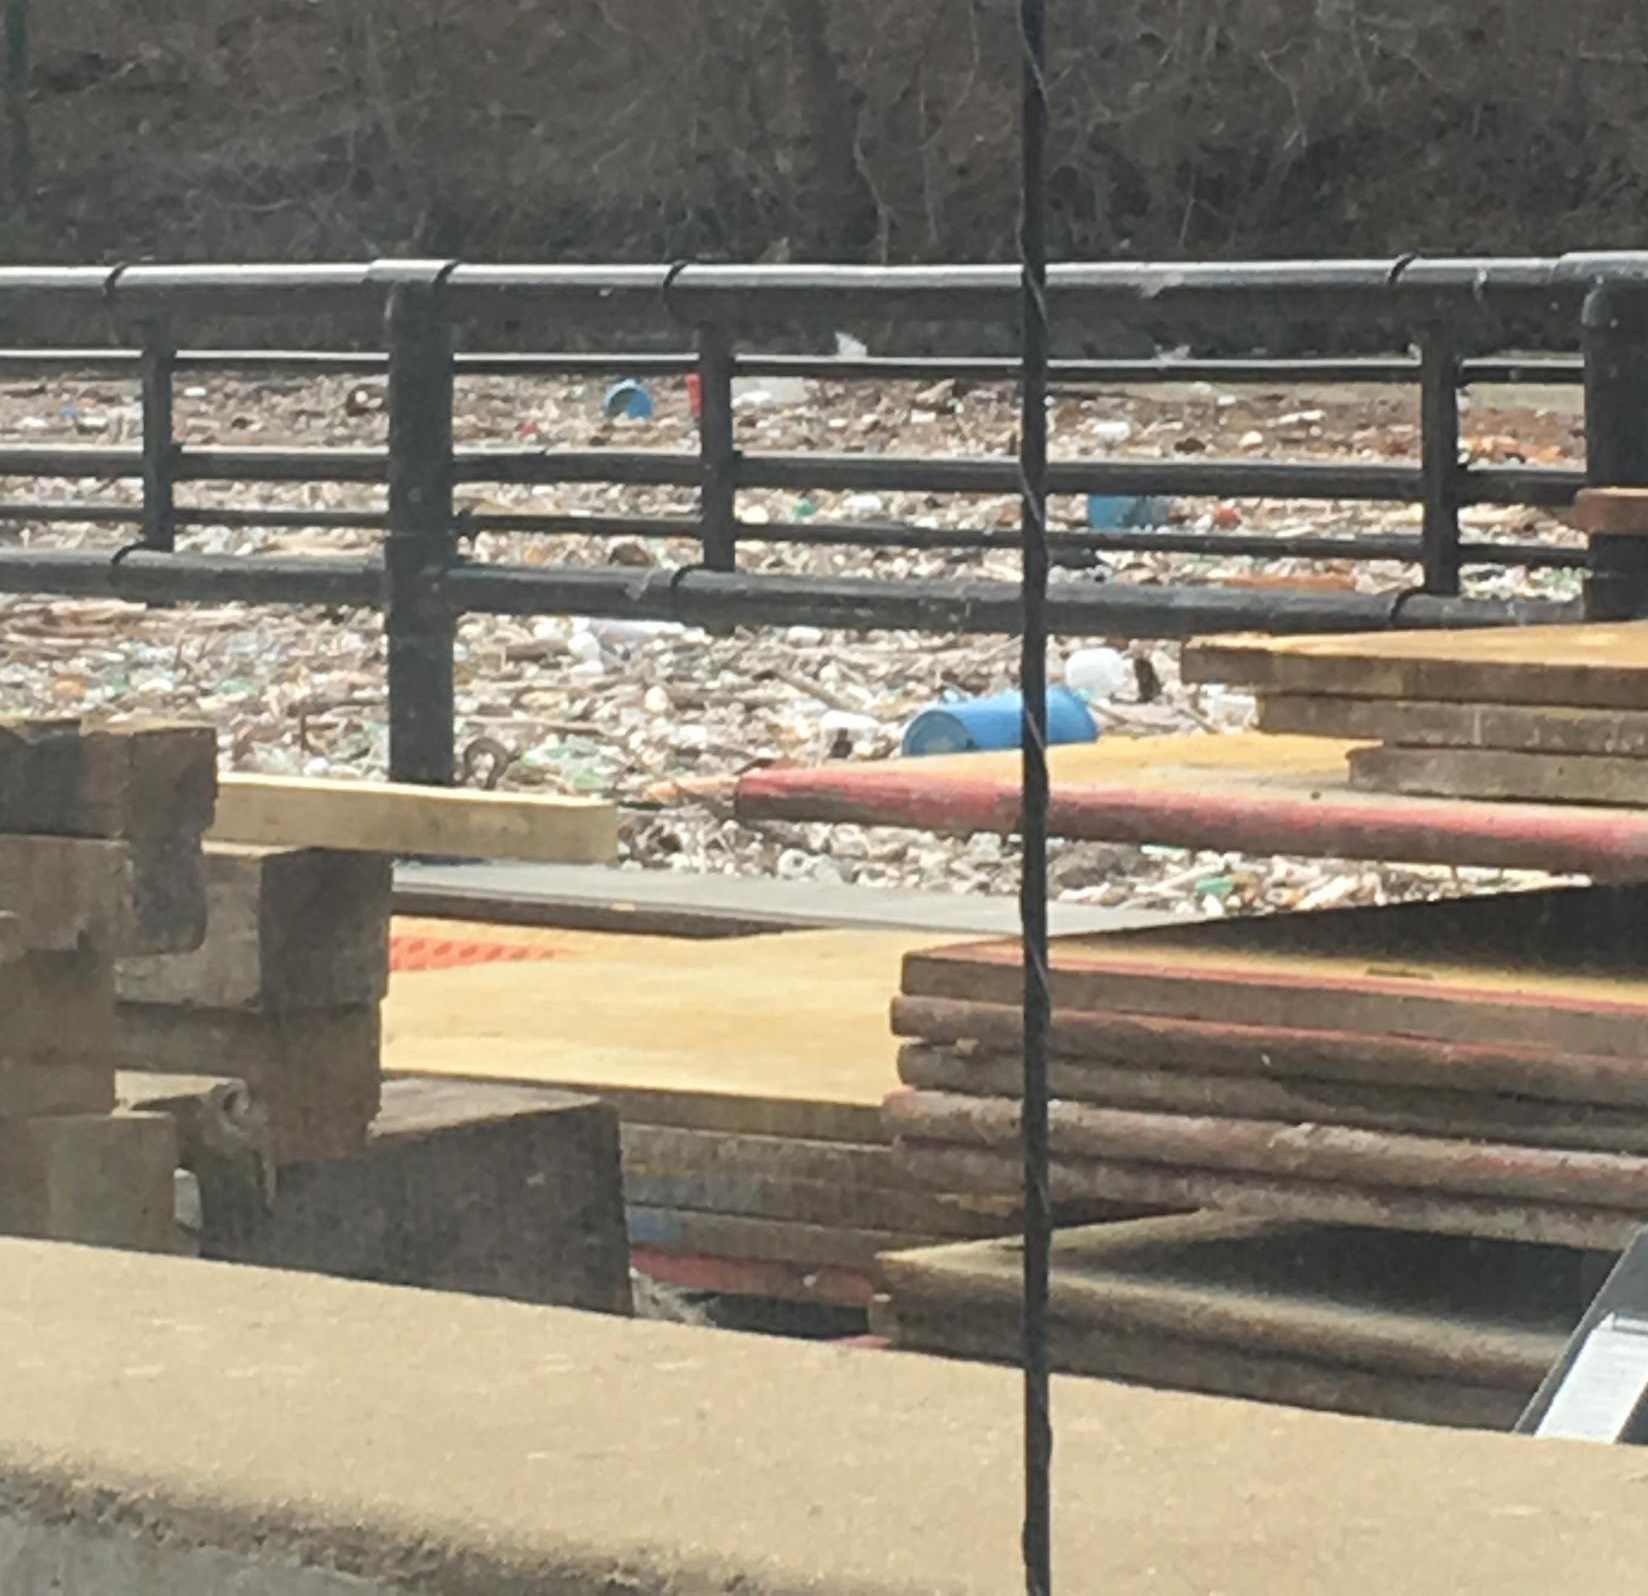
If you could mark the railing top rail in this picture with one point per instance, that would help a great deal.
(710, 291)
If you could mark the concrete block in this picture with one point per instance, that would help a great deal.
(104, 1180)
(285, 928)
(389, 1441)
(315, 1071)
(492, 1190)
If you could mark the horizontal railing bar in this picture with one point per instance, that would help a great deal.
(928, 292)
(1503, 485)
(194, 578)
(891, 535)
(698, 597)
(1351, 370)
(1075, 609)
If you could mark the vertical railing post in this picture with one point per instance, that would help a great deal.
(419, 622)
(1439, 376)
(158, 363)
(717, 450)
(1615, 341)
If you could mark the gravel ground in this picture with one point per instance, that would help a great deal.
(661, 718)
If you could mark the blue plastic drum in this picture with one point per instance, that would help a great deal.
(974, 725)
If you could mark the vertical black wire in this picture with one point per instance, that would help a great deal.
(1038, 1426)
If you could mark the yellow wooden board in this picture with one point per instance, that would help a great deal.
(1601, 666)
(380, 817)
(782, 1035)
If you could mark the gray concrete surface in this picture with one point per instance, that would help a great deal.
(156, 1412)
(604, 898)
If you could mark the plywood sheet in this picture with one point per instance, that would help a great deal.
(1558, 969)
(1498, 775)
(1411, 722)
(788, 1037)
(1591, 665)
(954, 1168)
(1419, 1111)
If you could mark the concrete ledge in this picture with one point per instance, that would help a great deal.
(171, 1426)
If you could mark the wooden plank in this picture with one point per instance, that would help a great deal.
(102, 1180)
(724, 1236)
(1414, 723)
(665, 1149)
(62, 1086)
(1591, 665)
(63, 891)
(1570, 1080)
(1247, 792)
(127, 780)
(1325, 1153)
(373, 817)
(286, 928)
(1610, 511)
(1420, 1111)
(1547, 971)
(912, 1212)
(1491, 774)
(315, 1071)
(57, 1008)
(1436, 1307)
(953, 1168)
(1168, 1363)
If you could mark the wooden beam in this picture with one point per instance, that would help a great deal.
(376, 817)
(1610, 511)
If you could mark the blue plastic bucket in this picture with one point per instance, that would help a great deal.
(1112, 513)
(982, 724)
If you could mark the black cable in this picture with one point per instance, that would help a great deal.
(1038, 1425)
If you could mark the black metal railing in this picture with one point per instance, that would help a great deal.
(1456, 312)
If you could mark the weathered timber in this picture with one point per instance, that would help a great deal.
(57, 1008)
(315, 1071)
(1278, 1052)
(1496, 774)
(1324, 1153)
(489, 1190)
(1421, 1111)
(1166, 1362)
(102, 1180)
(1408, 722)
(1436, 1307)
(132, 780)
(952, 1168)
(120, 896)
(1592, 666)
(58, 1086)
(286, 928)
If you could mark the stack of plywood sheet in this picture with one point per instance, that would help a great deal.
(748, 1075)
(1476, 1068)
(283, 993)
(100, 856)
(1553, 714)
(1435, 1330)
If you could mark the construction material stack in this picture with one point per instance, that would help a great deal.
(284, 993)
(1548, 714)
(1472, 1073)
(100, 857)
